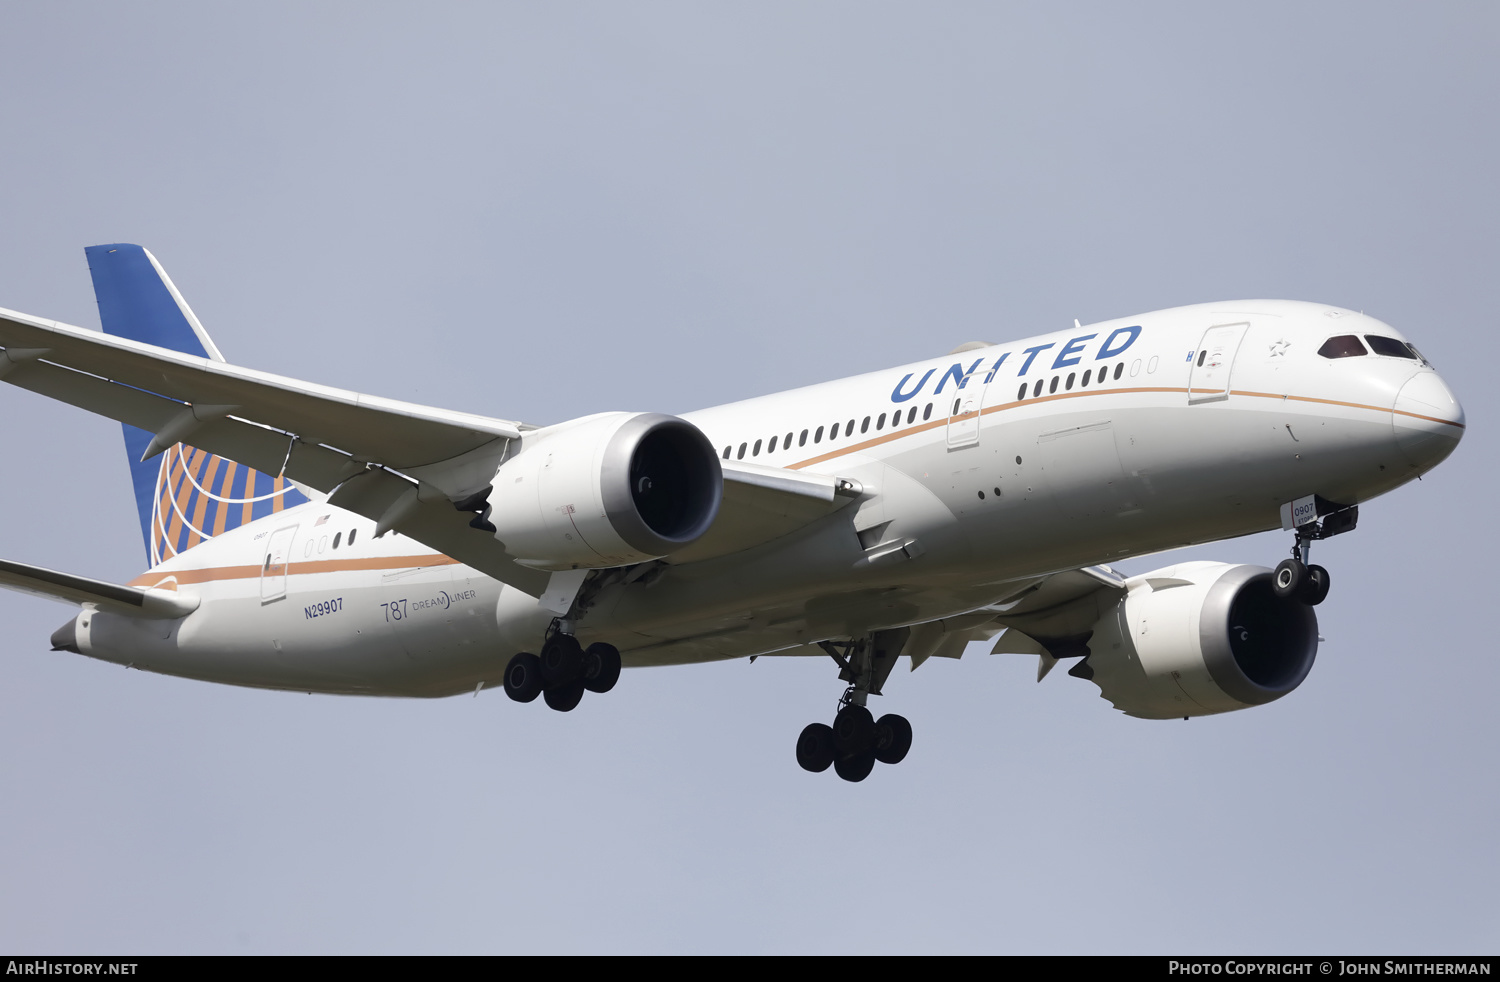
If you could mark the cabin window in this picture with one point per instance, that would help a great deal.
(911, 417)
(1022, 394)
(1069, 384)
(726, 452)
(880, 422)
(351, 536)
(1204, 354)
(1036, 390)
(1118, 369)
(1053, 387)
(1085, 383)
(927, 413)
(818, 437)
(741, 454)
(756, 451)
(1343, 346)
(786, 444)
(336, 537)
(864, 427)
(849, 429)
(1389, 346)
(802, 440)
(772, 447)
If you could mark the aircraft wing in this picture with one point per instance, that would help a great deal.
(128, 600)
(317, 435)
(763, 503)
(1052, 617)
(398, 464)
(46, 356)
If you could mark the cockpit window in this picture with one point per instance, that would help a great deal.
(1389, 346)
(1343, 346)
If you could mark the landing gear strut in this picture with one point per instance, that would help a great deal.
(1294, 578)
(856, 740)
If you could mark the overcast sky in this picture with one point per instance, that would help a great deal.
(543, 210)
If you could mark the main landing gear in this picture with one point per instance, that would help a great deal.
(856, 740)
(563, 672)
(1295, 578)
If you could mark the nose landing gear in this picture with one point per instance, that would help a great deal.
(857, 740)
(1294, 578)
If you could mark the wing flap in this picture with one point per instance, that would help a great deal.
(131, 601)
(393, 502)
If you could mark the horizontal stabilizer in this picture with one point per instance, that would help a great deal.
(128, 600)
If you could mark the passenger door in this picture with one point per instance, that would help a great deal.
(963, 412)
(273, 570)
(1208, 380)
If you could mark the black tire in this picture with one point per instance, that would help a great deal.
(853, 731)
(601, 667)
(1315, 590)
(815, 747)
(523, 677)
(855, 768)
(562, 661)
(564, 697)
(1288, 580)
(892, 738)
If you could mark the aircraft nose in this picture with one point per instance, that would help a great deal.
(1427, 419)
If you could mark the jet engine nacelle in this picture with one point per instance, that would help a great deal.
(605, 491)
(1200, 638)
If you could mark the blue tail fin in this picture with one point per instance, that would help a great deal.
(184, 495)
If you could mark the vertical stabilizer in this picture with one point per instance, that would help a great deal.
(184, 495)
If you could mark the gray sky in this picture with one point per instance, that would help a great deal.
(539, 211)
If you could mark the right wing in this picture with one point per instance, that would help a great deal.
(401, 465)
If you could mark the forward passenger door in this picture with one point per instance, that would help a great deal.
(963, 411)
(1208, 380)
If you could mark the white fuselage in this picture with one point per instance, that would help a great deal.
(977, 486)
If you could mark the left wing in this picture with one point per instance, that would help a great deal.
(1052, 617)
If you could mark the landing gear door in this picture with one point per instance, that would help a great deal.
(274, 565)
(963, 412)
(1208, 380)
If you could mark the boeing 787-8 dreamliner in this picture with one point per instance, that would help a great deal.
(310, 538)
